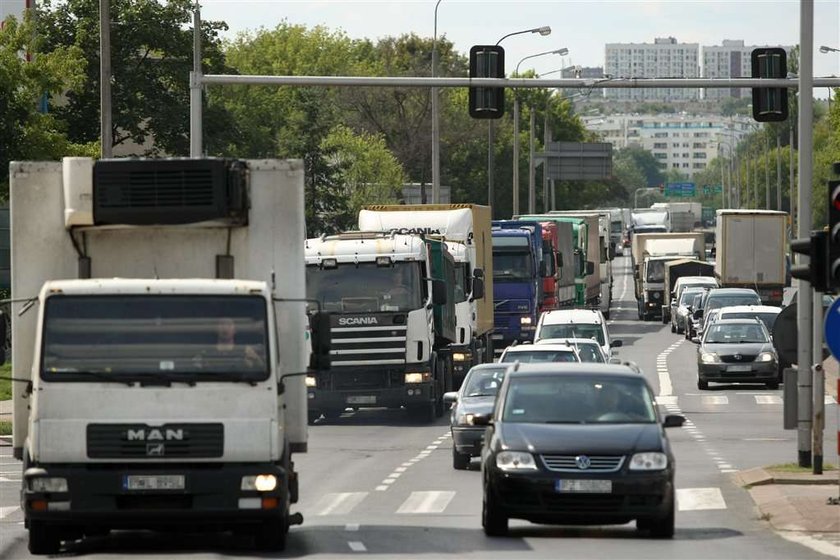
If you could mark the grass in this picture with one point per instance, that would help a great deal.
(5, 383)
(5, 428)
(795, 468)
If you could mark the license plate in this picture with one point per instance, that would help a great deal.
(497, 336)
(584, 486)
(362, 399)
(739, 368)
(154, 482)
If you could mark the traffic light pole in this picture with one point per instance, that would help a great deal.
(804, 297)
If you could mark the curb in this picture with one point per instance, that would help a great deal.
(762, 477)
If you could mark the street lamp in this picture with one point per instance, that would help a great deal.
(531, 195)
(435, 121)
(824, 49)
(544, 30)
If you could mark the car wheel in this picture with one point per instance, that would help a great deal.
(772, 385)
(43, 539)
(663, 527)
(673, 328)
(702, 385)
(460, 461)
(493, 520)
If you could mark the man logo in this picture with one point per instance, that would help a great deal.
(155, 450)
(154, 434)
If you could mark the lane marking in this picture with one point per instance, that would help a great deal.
(714, 400)
(667, 400)
(340, 503)
(695, 499)
(426, 502)
(351, 527)
(357, 546)
(381, 488)
(7, 511)
(768, 399)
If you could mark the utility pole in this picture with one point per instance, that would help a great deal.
(105, 121)
(491, 140)
(436, 124)
(515, 153)
(532, 170)
(767, 174)
(778, 172)
(546, 140)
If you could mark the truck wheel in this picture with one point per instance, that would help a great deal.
(460, 461)
(43, 539)
(702, 385)
(423, 413)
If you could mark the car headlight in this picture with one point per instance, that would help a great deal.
(708, 357)
(48, 484)
(310, 381)
(650, 461)
(417, 377)
(524, 320)
(460, 357)
(515, 461)
(464, 419)
(765, 357)
(259, 482)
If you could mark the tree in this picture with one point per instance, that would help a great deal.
(151, 57)
(25, 133)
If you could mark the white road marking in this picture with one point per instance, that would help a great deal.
(389, 481)
(400, 469)
(728, 470)
(724, 466)
(6, 511)
(351, 527)
(340, 503)
(381, 488)
(692, 499)
(714, 400)
(768, 399)
(667, 400)
(426, 502)
(357, 546)
(395, 475)
(823, 547)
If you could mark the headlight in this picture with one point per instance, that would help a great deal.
(515, 461)
(651, 461)
(765, 357)
(48, 484)
(259, 482)
(310, 381)
(460, 357)
(417, 377)
(524, 320)
(464, 419)
(708, 357)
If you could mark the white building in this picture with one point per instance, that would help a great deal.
(685, 143)
(665, 58)
(729, 60)
(13, 8)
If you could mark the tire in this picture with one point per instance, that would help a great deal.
(702, 385)
(772, 385)
(460, 461)
(271, 535)
(673, 328)
(663, 527)
(607, 314)
(313, 415)
(493, 520)
(423, 413)
(43, 539)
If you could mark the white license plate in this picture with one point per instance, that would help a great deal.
(362, 399)
(497, 336)
(154, 482)
(739, 368)
(584, 486)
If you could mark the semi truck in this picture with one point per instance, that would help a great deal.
(159, 324)
(391, 300)
(651, 252)
(684, 216)
(750, 252)
(466, 230)
(559, 282)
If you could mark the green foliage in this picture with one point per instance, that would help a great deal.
(5, 382)
(5, 428)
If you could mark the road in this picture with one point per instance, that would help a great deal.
(375, 483)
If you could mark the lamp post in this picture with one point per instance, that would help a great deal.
(824, 49)
(725, 195)
(531, 188)
(435, 121)
(544, 30)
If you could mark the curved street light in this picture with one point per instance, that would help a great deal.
(544, 30)
(435, 121)
(825, 49)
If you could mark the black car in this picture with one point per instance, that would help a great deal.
(476, 396)
(737, 350)
(577, 444)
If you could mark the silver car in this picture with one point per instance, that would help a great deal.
(679, 317)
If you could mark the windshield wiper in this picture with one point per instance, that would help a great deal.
(565, 422)
(165, 378)
(107, 377)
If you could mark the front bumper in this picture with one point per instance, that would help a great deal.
(723, 372)
(368, 387)
(468, 439)
(533, 497)
(98, 495)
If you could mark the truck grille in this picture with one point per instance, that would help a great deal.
(512, 306)
(364, 345)
(141, 441)
(568, 463)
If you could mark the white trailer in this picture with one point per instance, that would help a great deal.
(162, 391)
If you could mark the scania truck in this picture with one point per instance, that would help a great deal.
(158, 319)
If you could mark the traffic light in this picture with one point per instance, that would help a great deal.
(769, 104)
(487, 61)
(815, 247)
(834, 233)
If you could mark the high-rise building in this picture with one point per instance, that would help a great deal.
(665, 58)
(13, 8)
(729, 60)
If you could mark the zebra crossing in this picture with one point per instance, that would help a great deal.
(737, 399)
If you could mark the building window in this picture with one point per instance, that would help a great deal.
(675, 165)
(699, 155)
(685, 165)
(685, 155)
(660, 155)
(699, 165)
(660, 146)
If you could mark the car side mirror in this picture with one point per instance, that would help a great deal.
(616, 344)
(673, 421)
(616, 361)
(477, 288)
(560, 260)
(478, 273)
(438, 292)
(590, 268)
(451, 397)
(482, 420)
(697, 313)
(320, 331)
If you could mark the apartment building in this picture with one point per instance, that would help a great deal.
(664, 58)
(731, 59)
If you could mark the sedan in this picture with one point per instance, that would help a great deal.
(577, 444)
(476, 396)
(737, 350)
(682, 310)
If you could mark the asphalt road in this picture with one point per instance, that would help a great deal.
(376, 484)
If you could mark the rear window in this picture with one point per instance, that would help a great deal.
(716, 302)
(540, 356)
(574, 330)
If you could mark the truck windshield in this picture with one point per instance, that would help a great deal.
(511, 266)
(616, 227)
(366, 287)
(656, 271)
(181, 338)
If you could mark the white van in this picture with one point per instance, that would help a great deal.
(576, 323)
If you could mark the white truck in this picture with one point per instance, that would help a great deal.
(466, 229)
(650, 220)
(651, 252)
(684, 216)
(160, 324)
(750, 252)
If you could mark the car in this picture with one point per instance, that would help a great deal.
(692, 319)
(587, 348)
(576, 323)
(476, 396)
(680, 312)
(539, 353)
(685, 282)
(737, 350)
(577, 444)
(723, 297)
(767, 314)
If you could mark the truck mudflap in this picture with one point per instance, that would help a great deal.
(154, 496)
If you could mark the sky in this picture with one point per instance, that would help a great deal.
(584, 27)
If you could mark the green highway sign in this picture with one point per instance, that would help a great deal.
(679, 189)
(712, 189)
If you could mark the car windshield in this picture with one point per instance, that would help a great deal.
(577, 400)
(769, 319)
(574, 330)
(716, 302)
(739, 333)
(540, 356)
(484, 382)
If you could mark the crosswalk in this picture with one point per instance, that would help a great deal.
(738, 399)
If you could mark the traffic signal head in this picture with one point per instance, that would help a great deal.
(487, 61)
(769, 104)
(834, 235)
(814, 272)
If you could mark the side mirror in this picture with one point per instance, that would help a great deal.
(477, 288)
(673, 421)
(616, 344)
(320, 331)
(697, 313)
(451, 397)
(559, 260)
(438, 292)
(590, 268)
(482, 420)
(478, 273)
(543, 269)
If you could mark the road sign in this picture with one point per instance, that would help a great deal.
(679, 189)
(784, 334)
(832, 329)
(712, 189)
